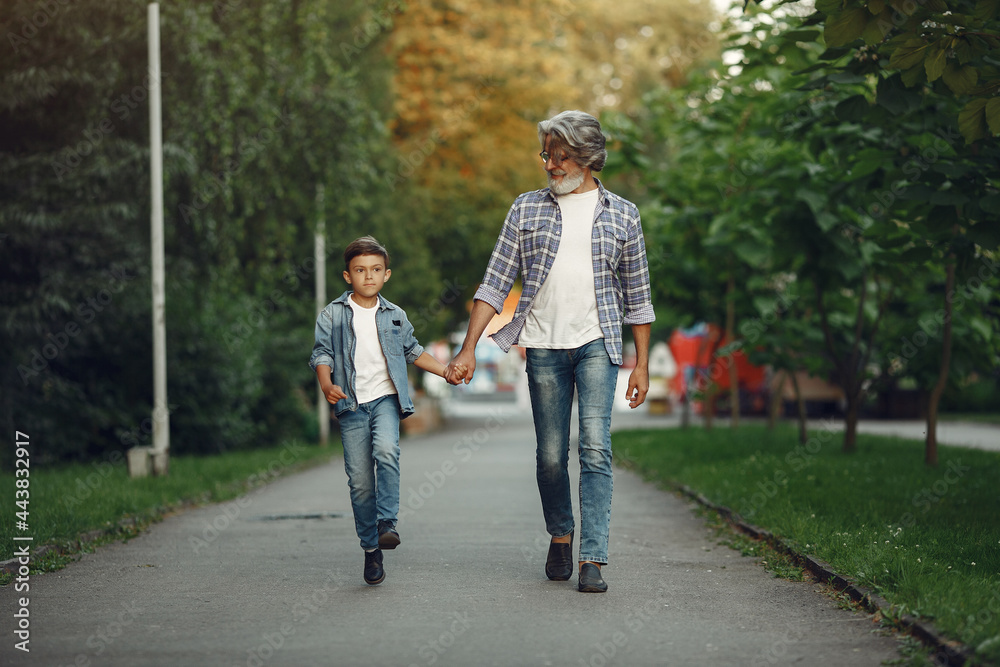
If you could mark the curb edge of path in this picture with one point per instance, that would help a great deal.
(947, 651)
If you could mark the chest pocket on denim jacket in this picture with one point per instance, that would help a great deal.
(612, 239)
(390, 334)
(393, 343)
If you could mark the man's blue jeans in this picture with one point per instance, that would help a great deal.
(370, 437)
(552, 376)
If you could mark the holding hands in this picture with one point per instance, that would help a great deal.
(454, 374)
(461, 368)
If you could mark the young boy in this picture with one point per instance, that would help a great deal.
(363, 344)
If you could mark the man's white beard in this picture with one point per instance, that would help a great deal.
(568, 184)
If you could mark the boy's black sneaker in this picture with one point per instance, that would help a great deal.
(374, 573)
(388, 538)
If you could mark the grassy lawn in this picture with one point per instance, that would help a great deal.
(70, 501)
(928, 540)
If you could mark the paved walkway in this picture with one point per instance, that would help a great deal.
(274, 578)
(956, 434)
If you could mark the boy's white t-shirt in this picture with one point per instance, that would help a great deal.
(564, 314)
(373, 379)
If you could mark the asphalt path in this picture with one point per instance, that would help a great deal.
(954, 434)
(275, 578)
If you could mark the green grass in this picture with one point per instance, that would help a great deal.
(69, 501)
(926, 539)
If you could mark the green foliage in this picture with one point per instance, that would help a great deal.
(72, 257)
(977, 395)
(929, 193)
(259, 108)
(830, 184)
(952, 45)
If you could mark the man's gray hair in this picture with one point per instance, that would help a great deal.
(581, 134)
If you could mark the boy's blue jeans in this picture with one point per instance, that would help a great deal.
(370, 437)
(552, 375)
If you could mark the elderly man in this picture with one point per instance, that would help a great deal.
(582, 259)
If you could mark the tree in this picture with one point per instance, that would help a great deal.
(935, 80)
(473, 79)
(826, 157)
(258, 109)
(714, 169)
(952, 43)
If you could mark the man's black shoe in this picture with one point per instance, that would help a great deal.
(591, 580)
(559, 564)
(388, 538)
(374, 574)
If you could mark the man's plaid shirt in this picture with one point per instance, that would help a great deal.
(528, 243)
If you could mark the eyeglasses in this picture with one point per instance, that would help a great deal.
(556, 161)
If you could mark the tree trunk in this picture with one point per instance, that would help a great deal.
(776, 401)
(851, 423)
(930, 445)
(734, 387)
(851, 369)
(800, 404)
(708, 405)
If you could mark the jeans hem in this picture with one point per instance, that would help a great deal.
(584, 557)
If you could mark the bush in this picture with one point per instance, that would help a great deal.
(978, 394)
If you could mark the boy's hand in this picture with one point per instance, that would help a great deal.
(333, 393)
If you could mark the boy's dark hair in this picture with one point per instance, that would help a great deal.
(366, 245)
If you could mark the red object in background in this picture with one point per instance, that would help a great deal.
(694, 351)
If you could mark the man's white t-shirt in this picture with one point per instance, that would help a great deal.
(373, 379)
(564, 314)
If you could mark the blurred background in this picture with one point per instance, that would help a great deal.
(822, 235)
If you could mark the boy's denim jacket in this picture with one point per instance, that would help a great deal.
(335, 344)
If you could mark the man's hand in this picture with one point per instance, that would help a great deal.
(638, 387)
(333, 393)
(638, 381)
(462, 367)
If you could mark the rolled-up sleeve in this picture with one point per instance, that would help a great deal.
(322, 354)
(411, 347)
(638, 304)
